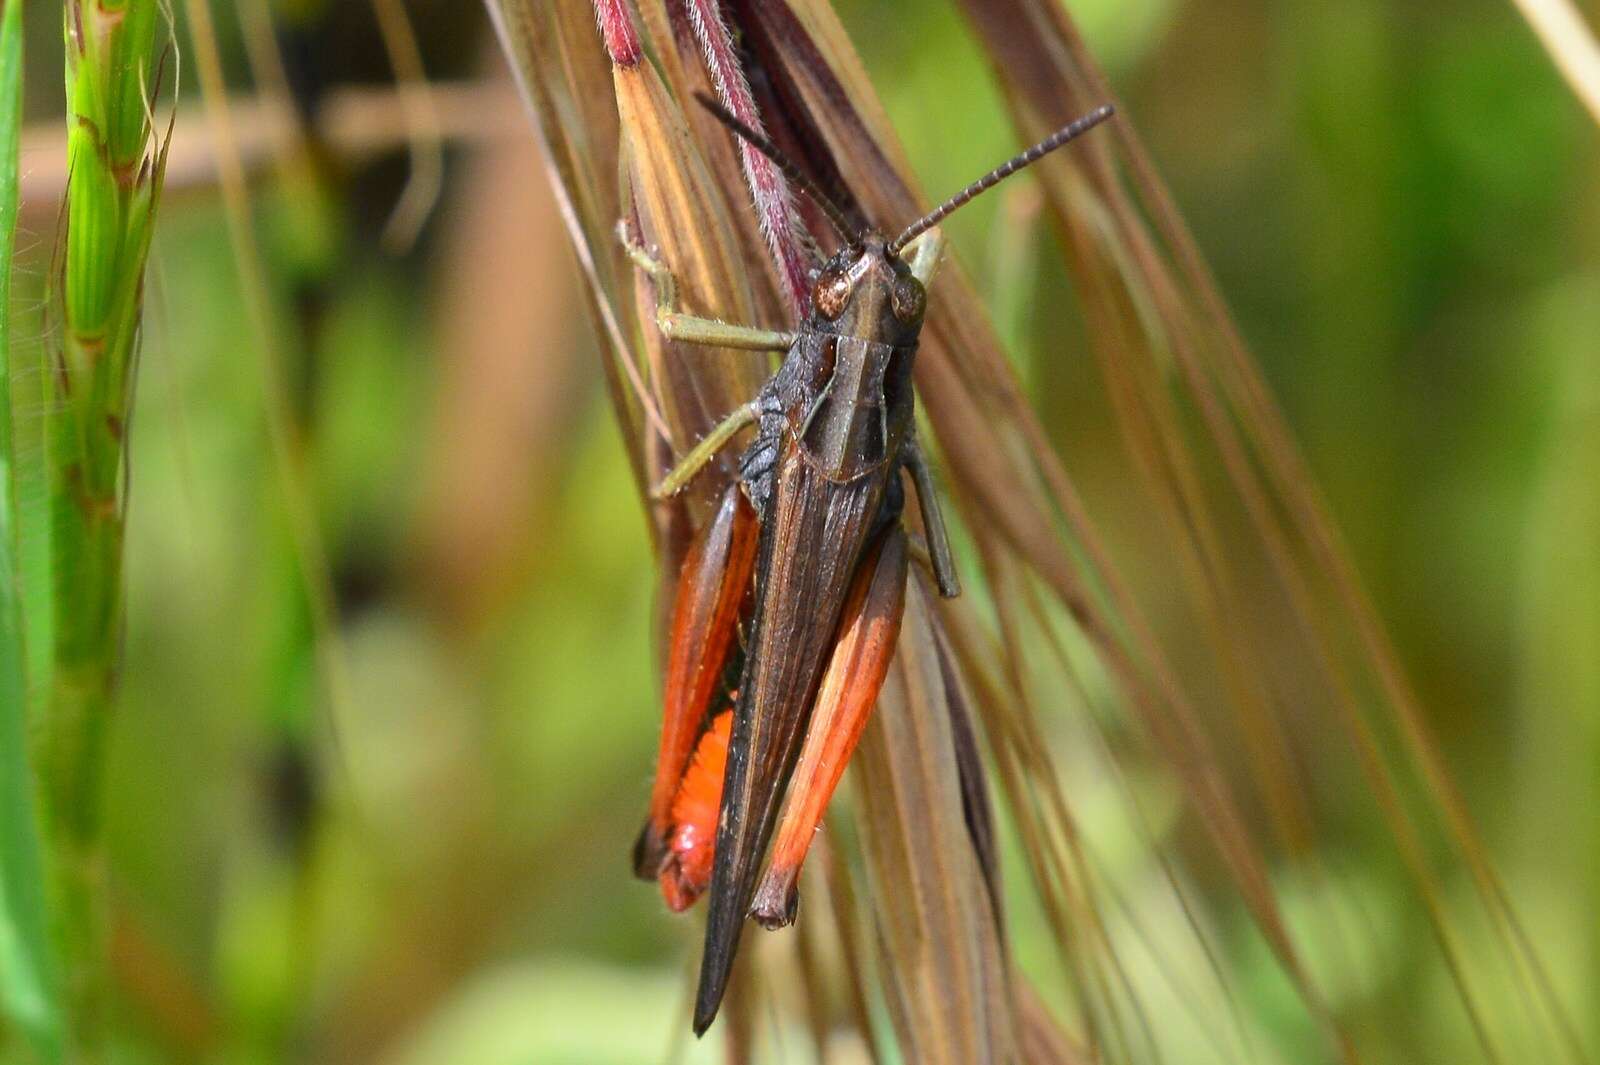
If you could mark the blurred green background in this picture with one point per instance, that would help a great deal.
(1402, 204)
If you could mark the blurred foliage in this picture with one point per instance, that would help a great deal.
(1401, 205)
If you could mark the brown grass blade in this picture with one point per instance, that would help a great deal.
(829, 872)
(772, 198)
(1079, 904)
(1040, 1040)
(939, 937)
(682, 67)
(503, 412)
(682, 215)
(424, 134)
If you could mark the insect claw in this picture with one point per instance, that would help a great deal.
(647, 257)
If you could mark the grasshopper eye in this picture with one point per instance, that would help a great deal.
(831, 294)
(908, 300)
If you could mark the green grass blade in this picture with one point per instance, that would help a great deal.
(28, 987)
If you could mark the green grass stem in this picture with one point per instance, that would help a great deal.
(116, 164)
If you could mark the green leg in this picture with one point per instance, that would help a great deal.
(675, 325)
(944, 563)
(923, 255)
(692, 463)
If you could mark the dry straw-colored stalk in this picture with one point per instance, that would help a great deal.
(610, 86)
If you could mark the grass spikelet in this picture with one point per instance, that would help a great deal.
(116, 161)
(609, 84)
(826, 115)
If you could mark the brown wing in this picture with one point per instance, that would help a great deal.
(810, 546)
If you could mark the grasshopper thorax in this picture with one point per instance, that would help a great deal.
(868, 292)
(847, 386)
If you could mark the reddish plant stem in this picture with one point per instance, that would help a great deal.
(618, 31)
(774, 205)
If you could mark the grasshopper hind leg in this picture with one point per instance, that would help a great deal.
(868, 631)
(705, 617)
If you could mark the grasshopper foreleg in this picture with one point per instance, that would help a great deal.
(675, 325)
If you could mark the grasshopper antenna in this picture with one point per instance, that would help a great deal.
(1066, 133)
(836, 218)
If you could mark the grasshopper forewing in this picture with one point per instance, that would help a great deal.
(815, 517)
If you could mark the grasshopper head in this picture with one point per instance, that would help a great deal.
(869, 292)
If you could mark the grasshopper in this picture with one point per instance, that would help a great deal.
(814, 520)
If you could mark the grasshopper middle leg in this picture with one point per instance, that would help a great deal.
(680, 475)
